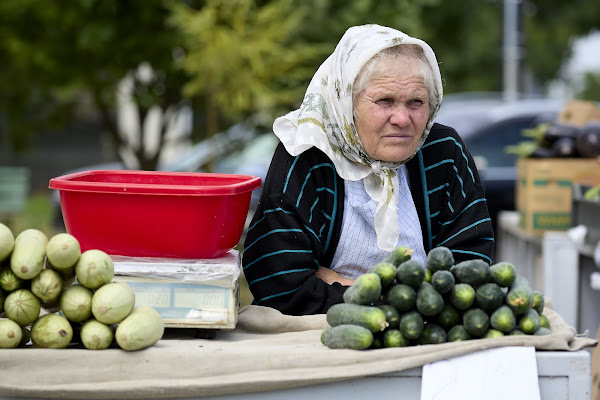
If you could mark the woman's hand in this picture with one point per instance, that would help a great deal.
(328, 276)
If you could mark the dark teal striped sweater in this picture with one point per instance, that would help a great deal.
(298, 221)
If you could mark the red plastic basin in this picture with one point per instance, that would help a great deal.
(155, 214)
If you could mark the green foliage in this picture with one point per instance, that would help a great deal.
(591, 87)
(330, 18)
(244, 58)
(64, 53)
(467, 39)
(549, 28)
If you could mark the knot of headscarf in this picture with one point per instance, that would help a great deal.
(325, 120)
(376, 167)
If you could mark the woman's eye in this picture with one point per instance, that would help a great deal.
(414, 103)
(385, 101)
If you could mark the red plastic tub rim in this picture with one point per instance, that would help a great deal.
(156, 182)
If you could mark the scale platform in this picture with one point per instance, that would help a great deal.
(186, 293)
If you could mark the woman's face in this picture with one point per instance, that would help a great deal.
(393, 110)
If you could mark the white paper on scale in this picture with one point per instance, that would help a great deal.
(498, 373)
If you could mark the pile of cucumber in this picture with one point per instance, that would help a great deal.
(82, 303)
(401, 302)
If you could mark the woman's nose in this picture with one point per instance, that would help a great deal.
(400, 116)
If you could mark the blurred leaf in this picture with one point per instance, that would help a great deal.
(592, 194)
(537, 133)
(522, 149)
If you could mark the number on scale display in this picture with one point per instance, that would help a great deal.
(204, 298)
(156, 297)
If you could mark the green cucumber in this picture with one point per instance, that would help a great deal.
(324, 333)
(348, 336)
(519, 296)
(401, 297)
(544, 321)
(538, 301)
(493, 333)
(448, 317)
(386, 272)
(461, 296)
(412, 324)
(392, 316)
(475, 272)
(476, 321)
(411, 273)
(440, 258)
(458, 333)
(503, 319)
(529, 322)
(542, 331)
(366, 289)
(489, 297)
(429, 301)
(428, 275)
(442, 281)
(399, 255)
(369, 317)
(432, 334)
(503, 274)
(394, 338)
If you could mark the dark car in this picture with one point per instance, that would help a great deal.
(488, 125)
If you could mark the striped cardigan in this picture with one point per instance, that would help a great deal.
(298, 221)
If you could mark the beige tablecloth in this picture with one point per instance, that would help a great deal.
(266, 351)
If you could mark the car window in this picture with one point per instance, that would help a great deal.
(489, 142)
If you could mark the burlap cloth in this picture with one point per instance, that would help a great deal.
(267, 351)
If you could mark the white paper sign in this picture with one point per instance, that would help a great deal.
(499, 373)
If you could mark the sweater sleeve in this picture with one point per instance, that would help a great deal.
(293, 232)
(458, 213)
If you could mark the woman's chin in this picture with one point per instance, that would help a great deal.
(395, 156)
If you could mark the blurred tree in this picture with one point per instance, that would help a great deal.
(329, 19)
(550, 26)
(467, 39)
(244, 58)
(591, 87)
(238, 58)
(58, 54)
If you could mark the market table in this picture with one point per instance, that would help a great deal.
(269, 354)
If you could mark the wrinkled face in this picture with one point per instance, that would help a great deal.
(392, 112)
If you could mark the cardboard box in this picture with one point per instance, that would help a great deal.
(579, 112)
(186, 293)
(544, 191)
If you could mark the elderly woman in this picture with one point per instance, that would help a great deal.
(362, 169)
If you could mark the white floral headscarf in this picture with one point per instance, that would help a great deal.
(325, 120)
